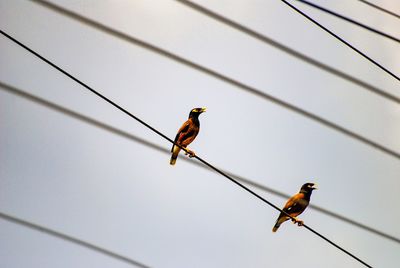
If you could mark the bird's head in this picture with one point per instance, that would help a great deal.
(308, 187)
(195, 112)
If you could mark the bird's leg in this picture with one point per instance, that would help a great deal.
(189, 152)
(297, 221)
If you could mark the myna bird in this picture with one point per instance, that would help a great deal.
(296, 205)
(186, 134)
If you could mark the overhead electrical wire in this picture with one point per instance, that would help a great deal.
(219, 76)
(171, 141)
(267, 40)
(131, 137)
(380, 8)
(342, 40)
(71, 239)
(349, 20)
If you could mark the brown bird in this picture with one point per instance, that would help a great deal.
(186, 134)
(296, 205)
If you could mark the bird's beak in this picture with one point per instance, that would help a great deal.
(203, 110)
(314, 187)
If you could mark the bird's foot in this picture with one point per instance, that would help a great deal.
(299, 222)
(189, 152)
(296, 221)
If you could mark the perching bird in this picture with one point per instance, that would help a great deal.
(186, 134)
(296, 205)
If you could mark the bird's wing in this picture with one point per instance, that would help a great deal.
(295, 204)
(182, 131)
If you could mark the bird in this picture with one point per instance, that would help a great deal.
(186, 134)
(296, 205)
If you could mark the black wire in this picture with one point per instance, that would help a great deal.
(277, 208)
(218, 76)
(350, 20)
(171, 141)
(131, 137)
(342, 40)
(288, 50)
(380, 8)
(84, 85)
(71, 239)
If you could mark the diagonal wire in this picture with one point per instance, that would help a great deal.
(70, 239)
(235, 25)
(171, 141)
(131, 137)
(218, 76)
(380, 8)
(349, 20)
(342, 40)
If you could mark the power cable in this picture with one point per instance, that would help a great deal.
(171, 141)
(131, 137)
(380, 8)
(349, 20)
(263, 38)
(71, 239)
(342, 40)
(219, 76)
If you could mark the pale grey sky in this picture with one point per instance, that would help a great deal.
(88, 183)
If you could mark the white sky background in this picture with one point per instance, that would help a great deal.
(88, 183)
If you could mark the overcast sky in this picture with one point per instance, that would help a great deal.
(86, 182)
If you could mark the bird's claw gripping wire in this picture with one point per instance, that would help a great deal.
(189, 152)
(298, 222)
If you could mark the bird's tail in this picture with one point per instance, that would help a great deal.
(278, 223)
(175, 152)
